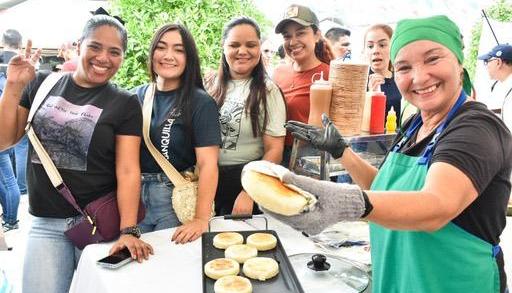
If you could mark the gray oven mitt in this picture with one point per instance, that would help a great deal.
(336, 202)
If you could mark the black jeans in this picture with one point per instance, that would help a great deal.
(228, 188)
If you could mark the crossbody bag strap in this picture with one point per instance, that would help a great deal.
(44, 89)
(147, 106)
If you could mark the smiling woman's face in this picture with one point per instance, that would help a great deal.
(242, 51)
(428, 75)
(100, 56)
(169, 58)
(300, 41)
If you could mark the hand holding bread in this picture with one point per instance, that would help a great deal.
(262, 180)
(330, 203)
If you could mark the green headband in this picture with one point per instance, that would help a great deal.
(439, 29)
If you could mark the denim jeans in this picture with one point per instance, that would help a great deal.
(9, 192)
(50, 258)
(157, 199)
(20, 155)
(228, 188)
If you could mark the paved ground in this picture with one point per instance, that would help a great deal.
(12, 261)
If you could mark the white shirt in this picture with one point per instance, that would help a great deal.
(238, 144)
(504, 89)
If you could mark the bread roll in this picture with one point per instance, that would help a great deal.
(225, 239)
(221, 267)
(273, 195)
(260, 268)
(241, 252)
(232, 284)
(262, 241)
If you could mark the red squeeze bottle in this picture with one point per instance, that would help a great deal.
(378, 113)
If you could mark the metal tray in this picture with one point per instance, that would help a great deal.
(285, 282)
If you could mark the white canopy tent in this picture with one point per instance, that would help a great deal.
(48, 23)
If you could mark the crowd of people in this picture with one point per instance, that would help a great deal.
(237, 115)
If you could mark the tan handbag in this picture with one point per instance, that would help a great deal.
(184, 194)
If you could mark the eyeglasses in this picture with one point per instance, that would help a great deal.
(489, 60)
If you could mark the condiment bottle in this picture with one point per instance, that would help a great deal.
(391, 121)
(378, 113)
(319, 99)
(367, 111)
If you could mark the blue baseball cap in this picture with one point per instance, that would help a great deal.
(503, 51)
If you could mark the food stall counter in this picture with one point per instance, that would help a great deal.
(179, 267)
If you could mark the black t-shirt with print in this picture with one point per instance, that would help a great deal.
(169, 134)
(77, 127)
(479, 144)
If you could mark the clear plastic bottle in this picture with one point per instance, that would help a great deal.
(391, 121)
(319, 99)
(367, 112)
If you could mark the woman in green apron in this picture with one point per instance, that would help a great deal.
(437, 204)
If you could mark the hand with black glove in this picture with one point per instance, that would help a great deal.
(335, 202)
(326, 139)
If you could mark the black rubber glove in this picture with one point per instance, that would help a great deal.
(326, 139)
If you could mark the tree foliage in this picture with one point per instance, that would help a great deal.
(501, 10)
(204, 18)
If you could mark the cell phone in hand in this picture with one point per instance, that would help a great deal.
(116, 260)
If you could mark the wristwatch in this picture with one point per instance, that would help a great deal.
(132, 230)
(368, 207)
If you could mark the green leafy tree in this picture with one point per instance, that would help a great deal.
(204, 18)
(501, 10)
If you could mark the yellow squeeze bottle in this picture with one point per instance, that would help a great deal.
(391, 121)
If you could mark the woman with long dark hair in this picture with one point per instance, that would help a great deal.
(310, 55)
(252, 113)
(184, 128)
